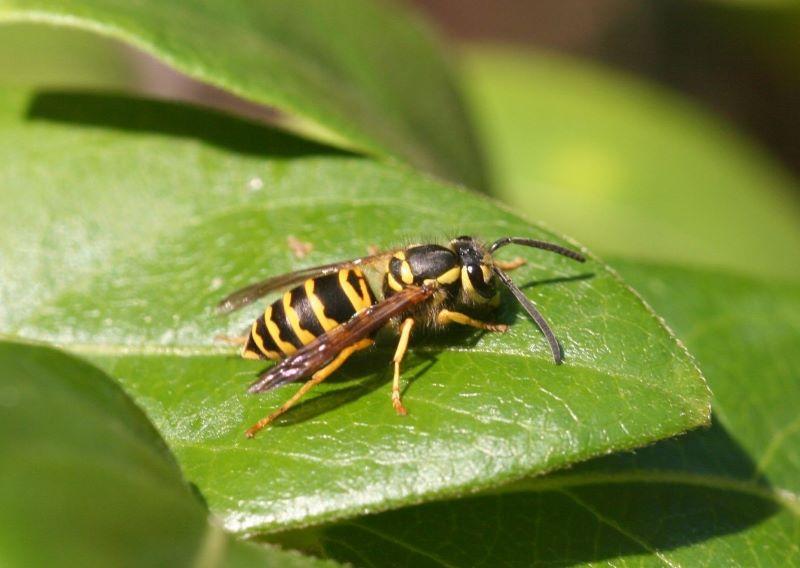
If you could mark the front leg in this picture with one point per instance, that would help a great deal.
(509, 265)
(445, 317)
(402, 347)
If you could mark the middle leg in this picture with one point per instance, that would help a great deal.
(402, 347)
(445, 317)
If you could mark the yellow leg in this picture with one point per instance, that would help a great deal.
(237, 340)
(316, 379)
(509, 265)
(402, 347)
(446, 316)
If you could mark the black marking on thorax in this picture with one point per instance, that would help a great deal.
(429, 261)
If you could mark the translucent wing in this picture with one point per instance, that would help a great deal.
(253, 292)
(312, 357)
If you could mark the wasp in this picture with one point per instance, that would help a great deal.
(332, 311)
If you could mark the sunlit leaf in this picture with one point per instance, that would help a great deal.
(122, 223)
(725, 496)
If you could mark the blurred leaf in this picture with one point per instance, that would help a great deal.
(628, 168)
(85, 480)
(726, 496)
(756, 6)
(122, 222)
(367, 75)
(32, 55)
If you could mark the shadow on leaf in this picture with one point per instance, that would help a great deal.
(132, 114)
(332, 400)
(670, 495)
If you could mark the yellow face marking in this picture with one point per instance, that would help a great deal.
(351, 293)
(401, 255)
(466, 284)
(487, 272)
(294, 320)
(274, 331)
(470, 291)
(405, 273)
(317, 307)
(450, 276)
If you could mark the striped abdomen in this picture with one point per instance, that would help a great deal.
(304, 313)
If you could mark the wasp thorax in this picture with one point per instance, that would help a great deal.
(421, 264)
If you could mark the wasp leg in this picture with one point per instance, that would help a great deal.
(316, 379)
(446, 316)
(509, 265)
(402, 347)
(236, 340)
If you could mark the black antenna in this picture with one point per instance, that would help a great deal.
(544, 245)
(528, 306)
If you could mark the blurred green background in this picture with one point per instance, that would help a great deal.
(664, 131)
(658, 131)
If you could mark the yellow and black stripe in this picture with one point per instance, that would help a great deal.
(306, 312)
(420, 263)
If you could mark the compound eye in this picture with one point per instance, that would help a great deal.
(480, 277)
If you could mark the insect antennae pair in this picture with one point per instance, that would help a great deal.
(526, 304)
(533, 243)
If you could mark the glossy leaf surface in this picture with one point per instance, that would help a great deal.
(724, 496)
(143, 215)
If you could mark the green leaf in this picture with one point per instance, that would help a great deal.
(85, 480)
(628, 168)
(725, 496)
(367, 75)
(32, 55)
(123, 222)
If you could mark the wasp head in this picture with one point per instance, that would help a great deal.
(477, 278)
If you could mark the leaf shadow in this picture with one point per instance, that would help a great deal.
(557, 280)
(601, 510)
(137, 114)
(315, 406)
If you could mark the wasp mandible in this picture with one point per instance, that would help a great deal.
(332, 311)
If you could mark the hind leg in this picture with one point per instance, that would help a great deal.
(316, 379)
